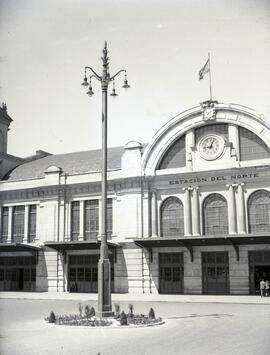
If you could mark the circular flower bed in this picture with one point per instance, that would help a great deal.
(90, 320)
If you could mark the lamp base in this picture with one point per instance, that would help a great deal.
(104, 289)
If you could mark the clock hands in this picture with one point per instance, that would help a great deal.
(210, 145)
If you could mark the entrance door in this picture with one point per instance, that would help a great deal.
(83, 273)
(17, 273)
(171, 273)
(215, 273)
(259, 268)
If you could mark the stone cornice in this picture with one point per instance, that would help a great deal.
(80, 189)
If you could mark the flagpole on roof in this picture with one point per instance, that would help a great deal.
(210, 82)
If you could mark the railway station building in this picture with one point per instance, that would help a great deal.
(188, 212)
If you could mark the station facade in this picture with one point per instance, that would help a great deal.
(188, 213)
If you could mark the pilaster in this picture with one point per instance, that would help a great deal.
(154, 213)
(187, 212)
(81, 235)
(195, 212)
(26, 224)
(241, 210)
(10, 217)
(232, 209)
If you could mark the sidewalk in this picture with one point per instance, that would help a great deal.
(130, 297)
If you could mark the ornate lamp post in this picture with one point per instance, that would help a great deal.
(104, 267)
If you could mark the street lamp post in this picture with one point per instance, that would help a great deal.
(104, 267)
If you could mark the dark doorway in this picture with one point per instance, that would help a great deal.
(259, 268)
(21, 278)
(83, 273)
(171, 272)
(261, 272)
(215, 273)
(17, 273)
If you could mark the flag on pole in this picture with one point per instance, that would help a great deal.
(205, 69)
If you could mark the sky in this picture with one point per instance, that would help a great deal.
(45, 46)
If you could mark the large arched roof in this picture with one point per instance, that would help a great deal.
(192, 118)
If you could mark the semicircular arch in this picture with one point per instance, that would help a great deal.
(179, 125)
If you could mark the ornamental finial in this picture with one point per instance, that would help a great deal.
(105, 58)
(4, 106)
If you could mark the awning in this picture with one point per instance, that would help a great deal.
(12, 247)
(20, 247)
(79, 245)
(63, 247)
(189, 243)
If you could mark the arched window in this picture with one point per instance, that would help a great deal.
(175, 156)
(215, 215)
(251, 146)
(172, 218)
(259, 212)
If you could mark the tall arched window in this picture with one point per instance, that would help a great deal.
(215, 215)
(259, 212)
(172, 218)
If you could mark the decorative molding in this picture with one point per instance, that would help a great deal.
(208, 109)
(49, 192)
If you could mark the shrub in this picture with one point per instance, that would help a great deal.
(87, 311)
(117, 309)
(123, 318)
(92, 312)
(130, 307)
(151, 314)
(80, 309)
(52, 317)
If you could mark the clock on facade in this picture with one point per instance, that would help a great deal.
(211, 146)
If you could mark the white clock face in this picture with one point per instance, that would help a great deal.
(211, 146)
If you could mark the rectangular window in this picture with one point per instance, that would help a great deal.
(32, 223)
(91, 219)
(75, 220)
(4, 228)
(18, 224)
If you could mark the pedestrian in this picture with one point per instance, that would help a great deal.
(262, 287)
(267, 287)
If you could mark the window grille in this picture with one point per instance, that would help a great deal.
(251, 146)
(4, 227)
(17, 260)
(175, 156)
(259, 256)
(259, 212)
(172, 218)
(75, 220)
(213, 128)
(18, 224)
(91, 220)
(215, 215)
(32, 222)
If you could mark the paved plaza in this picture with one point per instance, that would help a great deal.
(191, 328)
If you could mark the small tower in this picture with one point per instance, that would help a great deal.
(5, 121)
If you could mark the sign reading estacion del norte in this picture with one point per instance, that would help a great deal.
(214, 178)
